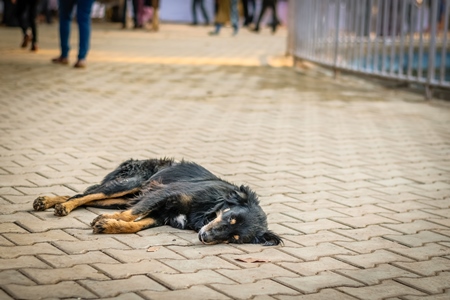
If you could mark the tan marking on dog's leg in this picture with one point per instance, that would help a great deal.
(44, 202)
(108, 202)
(120, 226)
(65, 208)
(126, 216)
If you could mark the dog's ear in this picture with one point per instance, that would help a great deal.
(269, 238)
(238, 197)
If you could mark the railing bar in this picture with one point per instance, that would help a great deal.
(402, 38)
(413, 24)
(432, 49)
(385, 35)
(421, 22)
(336, 45)
(394, 3)
(368, 33)
(444, 41)
(377, 37)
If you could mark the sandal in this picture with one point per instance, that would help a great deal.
(26, 40)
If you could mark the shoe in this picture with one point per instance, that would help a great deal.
(256, 30)
(80, 64)
(34, 47)
(26, 40)
(60, 60)
(213, 33)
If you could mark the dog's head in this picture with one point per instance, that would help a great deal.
(240, 220)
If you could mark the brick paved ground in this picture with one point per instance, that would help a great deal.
(356, 178)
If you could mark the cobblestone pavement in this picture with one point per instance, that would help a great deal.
(355, 177)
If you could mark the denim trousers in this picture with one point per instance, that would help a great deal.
(83, 13)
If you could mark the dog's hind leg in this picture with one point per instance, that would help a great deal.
(44, 202)
(63, 209)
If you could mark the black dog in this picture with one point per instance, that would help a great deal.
(181, 194)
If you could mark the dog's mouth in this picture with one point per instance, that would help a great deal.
(203, 237)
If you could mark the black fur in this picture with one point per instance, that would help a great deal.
(180, 194)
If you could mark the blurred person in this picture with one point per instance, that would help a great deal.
(83, 11)
(195, 4)
(26, 16)
(227, 10)
(45, 11)
(249, 7)
(137, 13)
(272, 4)
(154, 4)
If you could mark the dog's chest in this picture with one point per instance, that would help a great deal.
(179, 221)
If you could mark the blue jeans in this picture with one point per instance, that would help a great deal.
(84, 8)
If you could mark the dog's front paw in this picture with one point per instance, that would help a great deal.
(61, 210)
(100, 226)
(39, 204)
(97, 219)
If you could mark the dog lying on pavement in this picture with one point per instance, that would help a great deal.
(183, 194)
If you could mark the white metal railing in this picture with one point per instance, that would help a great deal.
(406, 40)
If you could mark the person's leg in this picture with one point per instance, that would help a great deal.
(205, 15)
(261, 14)
(32, 11)
(21, 6)
(136, 13)
(194, 12)
(234, 16)
(124, 14)
(275, 21)
(84, 8)
(65, 19)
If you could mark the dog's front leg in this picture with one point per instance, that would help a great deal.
(44, 202)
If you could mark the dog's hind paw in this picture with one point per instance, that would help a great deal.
(39, 204)
(60, 210)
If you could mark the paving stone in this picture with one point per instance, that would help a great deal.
(78, 247)
(322, 294)
(194, 265)
(315, 267)
(418, 239)
(314, 283)
(430, 297)
(315, 252)
(196, 252)
(428, 267)
(21, 262)
(371, 245)
(317, 238)
(263, 271)
(424, 252)
(131, 256)
(67, 261)
(182, 281)
(44, 248)
(383, 290)
(13, 276)
(52, 276)
(10, 227)
(32, 238)
(194, 293)
(110, 288)
(314, 227)
(366, 233)
(364, 221)
(125, 296)
(373, 276)
(5, 296)
(248, 290)
(120, 271)
(372, 259)
(414, 227)
(434, 285)
(60, 290)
